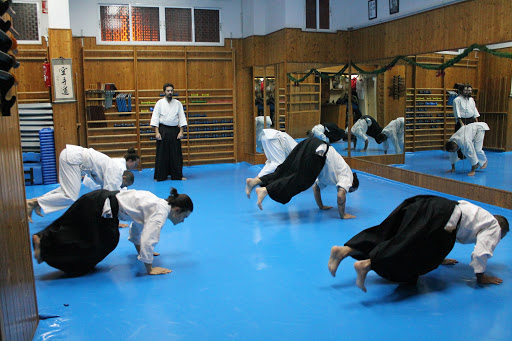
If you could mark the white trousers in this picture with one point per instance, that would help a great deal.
(478, 143)
(70, 179)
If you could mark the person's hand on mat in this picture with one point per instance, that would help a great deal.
(159, 271)
(449, 261)
(156, 254)
(325, 207)
(123, 225)
(348, 216)
(483, 279)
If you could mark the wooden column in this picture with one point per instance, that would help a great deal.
(18, 306)
(60, 44)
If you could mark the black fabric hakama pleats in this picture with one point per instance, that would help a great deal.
(410, 242)
(297, 173)
(81, 237)
(169, 157)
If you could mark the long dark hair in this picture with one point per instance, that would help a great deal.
(182, 201)
(131, 155)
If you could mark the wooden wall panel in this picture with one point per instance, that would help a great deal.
(455, 26)
(64, 114)
(18, 306)
(462, 189)
(78, 67)
(29, 75)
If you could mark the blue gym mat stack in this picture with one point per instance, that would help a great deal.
(48, 160)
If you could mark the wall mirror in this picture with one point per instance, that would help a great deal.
(428, 103)
(269, 100)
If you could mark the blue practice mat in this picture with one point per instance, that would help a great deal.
(244, 274)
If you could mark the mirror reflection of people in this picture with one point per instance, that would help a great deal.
(88, 231)
(418, 236)
(469, 139)
(259, 104)
(394, 131)
(464, 108)
(261, 122)
(310, 159)
(328, 132)
(364, 127)
(108, 173)
(168, 118)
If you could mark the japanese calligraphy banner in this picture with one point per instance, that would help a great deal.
(62, 71)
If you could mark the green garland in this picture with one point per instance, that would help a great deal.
(389, 66)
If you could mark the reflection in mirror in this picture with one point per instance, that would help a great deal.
(436, 105)
(264, 101)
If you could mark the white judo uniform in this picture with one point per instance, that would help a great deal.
(277, 145)
(470, 139)
(335, 172)
(479, 227)
(148, 214)
(75, 160)
(395, 132)
(464, 108)
(261, 123)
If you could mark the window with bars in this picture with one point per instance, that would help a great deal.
(317, 14)
(125, 23)
(26, 21)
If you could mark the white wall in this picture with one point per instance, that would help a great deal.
(244, 18)
(84, 14)
(359, 10)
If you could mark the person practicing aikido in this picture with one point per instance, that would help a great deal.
(88, 231)
(327, 132)
(418, 235)
(469, 139)
(394, 131)
(276, 145)
(261, 122)
(299, 171)
(464, 107)
(364, 127)
(109, 173)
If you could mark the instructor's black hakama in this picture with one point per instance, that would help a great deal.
(297, 173)
(81, 237)
(169, 157)
(410, 242)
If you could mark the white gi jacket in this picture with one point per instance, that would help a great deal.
(464, 108)
(75, 161)
(335, 172)
(170, 114)
(277, 145)
(395, 132)
(148, 214)
(319, 132)
(470, 139)
(360, 128)
(476, 226)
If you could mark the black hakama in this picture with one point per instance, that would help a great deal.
(373, 130)
(410, 242)
(297, 173)
(81, 237)
(333, 132)
(169, 158)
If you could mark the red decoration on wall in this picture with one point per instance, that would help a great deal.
(47, 74)
(44, 6)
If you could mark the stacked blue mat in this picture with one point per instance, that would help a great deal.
(48, 159)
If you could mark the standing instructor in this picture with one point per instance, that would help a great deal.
(168, 119)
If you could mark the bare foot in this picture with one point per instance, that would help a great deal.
(338, 253)
(183, 178)
(262, 193)
(484, 166)
(471, 173)
(362, 268)
(36, 244)
(250, 183)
